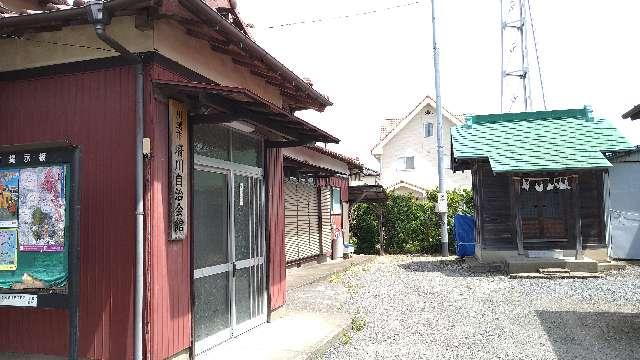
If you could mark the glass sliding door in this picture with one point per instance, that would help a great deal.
(229, 286)
(211, 275)
(249, 292)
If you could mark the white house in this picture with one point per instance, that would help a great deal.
(407, 151)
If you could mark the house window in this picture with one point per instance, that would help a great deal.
(336, 203)
(428, 129)
(406, 163)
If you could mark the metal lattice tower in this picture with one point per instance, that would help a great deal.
(515, 86)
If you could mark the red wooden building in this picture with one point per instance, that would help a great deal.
(116, 78)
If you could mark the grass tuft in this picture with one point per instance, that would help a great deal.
(358, 323)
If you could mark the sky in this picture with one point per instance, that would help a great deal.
(380, 65)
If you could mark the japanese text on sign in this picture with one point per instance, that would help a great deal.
(441, 206)
(179, 169)
(27, 158)
(18, 300)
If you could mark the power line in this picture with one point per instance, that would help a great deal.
(535, 45)
(57, 43)
(341, 17)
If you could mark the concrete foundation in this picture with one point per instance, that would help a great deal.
(531, 263)
(183, 355)
(572, 275)
(599, 255)
(611, 266)
(522, 264)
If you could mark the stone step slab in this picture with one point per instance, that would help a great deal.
(570, 275)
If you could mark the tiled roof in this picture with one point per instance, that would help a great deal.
(538, 141)
(369, 172)
(41, 6)
(226, 8)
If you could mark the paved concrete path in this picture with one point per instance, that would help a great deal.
(313, 319)
(309, 273)
(295, 336)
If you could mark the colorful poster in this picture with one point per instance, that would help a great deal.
(9, 198)
(8, 249)
(42, 209)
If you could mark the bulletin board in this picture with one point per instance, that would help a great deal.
(39, 226)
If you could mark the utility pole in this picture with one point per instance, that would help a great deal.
(442, 190)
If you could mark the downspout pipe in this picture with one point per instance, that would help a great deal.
(99, 18)
(101, 33)
(139, 273)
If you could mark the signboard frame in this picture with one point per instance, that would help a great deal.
(179, 167)
(41, 155)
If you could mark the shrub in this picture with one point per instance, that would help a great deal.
(410, 225)
(364, 228)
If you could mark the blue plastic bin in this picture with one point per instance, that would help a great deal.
(464, 227)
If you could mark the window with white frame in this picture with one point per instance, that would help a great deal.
(336, 202)
(406, 163)
(428, 129)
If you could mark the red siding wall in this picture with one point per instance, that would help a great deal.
(95, 110)
(275, 196)
(168, 301)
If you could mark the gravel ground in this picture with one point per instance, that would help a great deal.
(430, 308)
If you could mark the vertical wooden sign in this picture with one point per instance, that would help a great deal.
(178, 168)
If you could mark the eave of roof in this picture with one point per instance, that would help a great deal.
(309, 166)
(559, 140)
(377, 149)
(633, 114)
(622, 154)
(240, 103)
(351, 162)
(210, 17)
(367, 193)
(407, 185)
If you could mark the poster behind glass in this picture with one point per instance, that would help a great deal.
(33, 222)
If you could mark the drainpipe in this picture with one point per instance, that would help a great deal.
(101, 33)
(139, 284)
(99, 18)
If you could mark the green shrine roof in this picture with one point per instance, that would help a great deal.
(538, 141)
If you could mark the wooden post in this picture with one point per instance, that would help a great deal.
(319, 199)
(381, 227)
(479, 210)
(515, 206)
(575, 197)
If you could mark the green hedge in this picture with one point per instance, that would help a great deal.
(411, 226)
